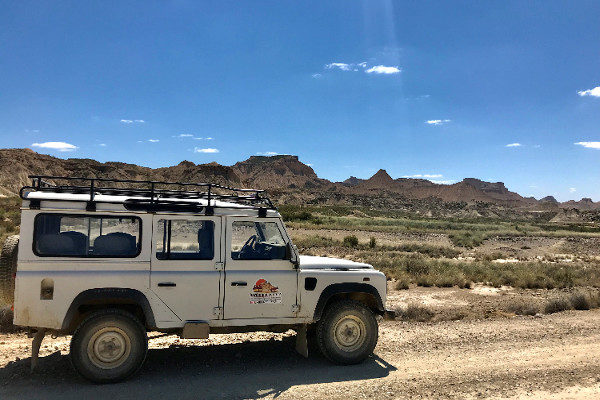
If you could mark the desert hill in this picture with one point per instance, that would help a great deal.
(290, 181)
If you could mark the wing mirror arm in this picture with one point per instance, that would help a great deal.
(293, 254)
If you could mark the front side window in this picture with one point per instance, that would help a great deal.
(251, 240)
(180, 239)
(84, 236)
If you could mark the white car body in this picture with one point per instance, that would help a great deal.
(52, 292)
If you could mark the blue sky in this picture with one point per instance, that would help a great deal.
(436, 89)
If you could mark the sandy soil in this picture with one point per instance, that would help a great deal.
(550, 357)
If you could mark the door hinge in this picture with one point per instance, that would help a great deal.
(218, 311)
(219, 266)
(295, 308)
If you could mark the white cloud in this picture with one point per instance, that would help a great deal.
(595, 92)
(589, 145)
(309, 165)
(446, 182)
(514, 145)
(382, 69)
(424, 176)
(131, 121)
(199, 150)
(341, 66)
(184, 135)
(437, 121)
(153, 140)
(32, 130)
(267, 153)
(208, 138)
(316, 76)
(362, 64)
(60, 146)
(102, 145)
(127, 121)
(140, 121)
(572, 190)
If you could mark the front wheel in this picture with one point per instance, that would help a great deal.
(109, 346)
(347, 333)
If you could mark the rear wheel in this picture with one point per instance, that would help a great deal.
(8, 269)
(347, 333)
(109, 346)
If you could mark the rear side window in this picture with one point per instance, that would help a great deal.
(62, 235)
(181, 239)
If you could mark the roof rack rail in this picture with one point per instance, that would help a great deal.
(155, 191)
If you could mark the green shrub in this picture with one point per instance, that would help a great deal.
(467, 239)
(350, 241)
(372, 242)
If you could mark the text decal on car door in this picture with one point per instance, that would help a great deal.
(264, 292)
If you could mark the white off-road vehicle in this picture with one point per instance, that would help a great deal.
(106, 261)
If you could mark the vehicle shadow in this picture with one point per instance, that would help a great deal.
(249, 370)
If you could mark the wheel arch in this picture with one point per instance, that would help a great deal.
(365, 293)
(90, 300)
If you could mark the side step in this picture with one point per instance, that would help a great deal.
(195, 330)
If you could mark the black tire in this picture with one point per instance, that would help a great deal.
(8, 269)
(109, 346)
(357, 332)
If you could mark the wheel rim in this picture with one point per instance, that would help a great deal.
(109, 347)
(349, 333)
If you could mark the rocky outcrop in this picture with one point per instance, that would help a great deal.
(289, 180)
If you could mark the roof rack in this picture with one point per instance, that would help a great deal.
(152, 195)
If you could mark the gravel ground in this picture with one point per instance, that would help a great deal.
(550, 357)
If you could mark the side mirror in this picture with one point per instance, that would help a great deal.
(292, 253)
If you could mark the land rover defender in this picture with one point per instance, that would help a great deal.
(107, 261)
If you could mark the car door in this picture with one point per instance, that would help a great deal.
(183, 267)
(259, 284)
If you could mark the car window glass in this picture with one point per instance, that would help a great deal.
(252, 240)
(185, 240)
(84, 236)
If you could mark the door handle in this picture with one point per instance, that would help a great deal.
(239, 283)
(167, 284)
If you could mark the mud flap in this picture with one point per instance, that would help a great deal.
(35, 347)
(302, 341)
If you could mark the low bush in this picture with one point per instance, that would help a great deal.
(415, 312)
(467, 239)
(523, 308)
(557, 305)
(402, 282)
(580, 301)
(350, 241)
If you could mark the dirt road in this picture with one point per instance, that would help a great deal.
(554, 356)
